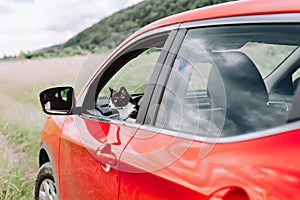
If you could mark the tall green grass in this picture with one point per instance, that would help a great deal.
(21, 119)
(18, 156)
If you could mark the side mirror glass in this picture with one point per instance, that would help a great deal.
(58, 100)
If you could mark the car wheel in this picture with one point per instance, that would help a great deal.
(45, 186)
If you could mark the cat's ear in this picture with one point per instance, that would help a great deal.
(111, 90)
(123, 91)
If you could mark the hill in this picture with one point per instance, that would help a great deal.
(133, 17)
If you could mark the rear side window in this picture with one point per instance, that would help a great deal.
(217, 84)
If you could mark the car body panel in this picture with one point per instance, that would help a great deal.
(199, 166)
(50, 142)
(83, 171)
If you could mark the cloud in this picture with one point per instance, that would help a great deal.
(28, 25)
(4, 9)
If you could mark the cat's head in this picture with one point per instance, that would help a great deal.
(118, 99)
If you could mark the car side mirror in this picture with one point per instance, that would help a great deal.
(58, 100)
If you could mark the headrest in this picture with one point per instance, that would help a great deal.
(238, 76)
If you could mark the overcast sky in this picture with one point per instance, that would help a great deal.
(27, 25)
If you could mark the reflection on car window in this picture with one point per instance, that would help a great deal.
(263, 55)
(217, 85)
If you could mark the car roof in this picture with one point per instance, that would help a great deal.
(235, 8)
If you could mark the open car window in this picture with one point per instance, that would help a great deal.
(119, 90)
(135, 74)
(129, 82)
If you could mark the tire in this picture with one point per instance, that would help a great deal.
(45, 186)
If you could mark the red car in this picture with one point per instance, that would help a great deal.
(199, 105)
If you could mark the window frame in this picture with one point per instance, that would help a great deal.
(164, 75)
(110, 68)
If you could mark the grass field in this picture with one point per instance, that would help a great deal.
(21, 119)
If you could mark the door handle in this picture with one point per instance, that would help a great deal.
(106, 157)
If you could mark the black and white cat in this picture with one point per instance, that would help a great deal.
(124, 104)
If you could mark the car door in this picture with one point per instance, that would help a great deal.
(211, 130)
(150, 166)
(92, 142)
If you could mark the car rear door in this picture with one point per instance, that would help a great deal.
(211, 131)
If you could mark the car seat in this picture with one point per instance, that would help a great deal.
(236, 85)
